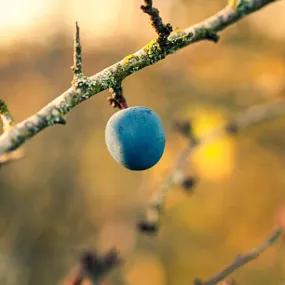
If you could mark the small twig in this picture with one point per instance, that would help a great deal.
(150, 224)
(163, 30)
(242, 260)
(77, 53)
(253, 116)
(117, 99)
(95, 267)
(5, 116)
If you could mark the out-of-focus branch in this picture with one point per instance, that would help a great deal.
(249, 118)
(85, 87)
(242, 260)
(11, 156)
(94, 267)
(5, 116)
(117, 99)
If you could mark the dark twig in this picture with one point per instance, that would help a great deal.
(163, 30)
(189, 182)
(176, 176)
(95, 267)
(117, 99)
(242, 260)
(77, 53)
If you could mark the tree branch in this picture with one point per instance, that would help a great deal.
(163, 30)
(85, 87)
(5, 115)
(95, 267)
(242, 260)
(7, 123)
(77, 54)
(251, 117)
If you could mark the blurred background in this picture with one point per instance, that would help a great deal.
(69, 195)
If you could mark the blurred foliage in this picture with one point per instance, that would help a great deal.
(68, 195)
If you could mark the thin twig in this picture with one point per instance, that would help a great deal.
(86, 87)
(77, 53)
(94, 267)
(163, 30)
(253, 116)
(242, 260)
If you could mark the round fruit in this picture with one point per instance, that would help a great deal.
(135, 137)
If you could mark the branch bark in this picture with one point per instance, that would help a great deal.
(95, 267)
(85, 87)
(5, 116)
(249, 118)
(242, 260)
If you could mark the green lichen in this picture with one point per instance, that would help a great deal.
(129, 59)
(154, 52)
(152, 46)
(243, 7)
(3, 108)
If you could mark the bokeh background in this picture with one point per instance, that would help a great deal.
(68, 195)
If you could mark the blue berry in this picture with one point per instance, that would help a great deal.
(135, 137)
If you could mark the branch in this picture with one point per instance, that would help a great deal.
(163, 30)
(7, 123)
(94, 267)
(249, 118)
(85, 87)
(77, 54)
(242, 260)
(5, 116)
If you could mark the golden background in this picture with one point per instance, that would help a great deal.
(68, 195)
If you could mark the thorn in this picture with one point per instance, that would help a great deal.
(212, 36)
(163, 30)
(77, 53)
